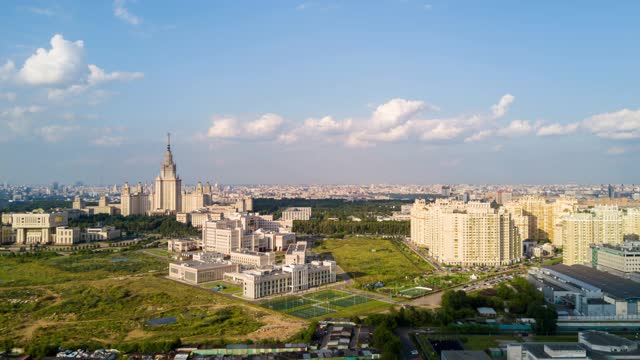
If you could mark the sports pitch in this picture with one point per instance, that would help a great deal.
(320, 303)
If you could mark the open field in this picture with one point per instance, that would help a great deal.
(108, 299)
(52, 269)
(369, 260)
(333, 303)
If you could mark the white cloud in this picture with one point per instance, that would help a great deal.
(619, 125)
(442, 131)
(616, 150)
(558, 129)
(8, 96)
(501, 108)
(19, 112)
(223, 128)
(55, 133)
(40, 11)
(6, 70)
(108, 140)
(326, 125)
(122, 13)
(478, 136)
(287, 138)
(391, 113)
(97, 75)
(56, 66)
(265, 126)
(357, 140)
(516, 128)
(60, 94)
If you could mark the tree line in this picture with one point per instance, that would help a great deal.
(165, 226)
(342, 228)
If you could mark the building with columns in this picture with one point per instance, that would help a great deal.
(136, 202)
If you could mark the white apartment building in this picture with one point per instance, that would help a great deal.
(253, 258)
(296, 213)
(459, 233)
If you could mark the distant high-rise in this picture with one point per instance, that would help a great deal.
(167, 196)
(611, 191)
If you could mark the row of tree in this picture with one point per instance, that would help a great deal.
(165, 226)
(341, 227)
(331, 208)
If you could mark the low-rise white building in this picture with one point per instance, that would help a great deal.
(253, 258)
(182, 245)
(103, 233)
(258, 283)
(196, 272)
(296, 213)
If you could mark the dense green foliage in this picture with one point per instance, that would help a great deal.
(166, 226)
(25, 206)
(342, 227)
(326, 208)
(518, 296)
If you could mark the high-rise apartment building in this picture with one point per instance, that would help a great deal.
(603, 225)
(461, 233)
(136, 202)
(544, 217)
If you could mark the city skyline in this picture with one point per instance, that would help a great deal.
(406, 92)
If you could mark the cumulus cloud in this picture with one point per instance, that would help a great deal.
(223, 128)
(97, 75)
(265, 126)
(122, 13)
(326, 125)
(516, 128)
(442, 131)
(18, 112)
(500, 109)
(396, 110)
(557, 129)
(55, 66)
(619, 125)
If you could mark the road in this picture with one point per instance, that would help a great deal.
(426, 258)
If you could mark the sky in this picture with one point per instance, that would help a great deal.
(312, 92)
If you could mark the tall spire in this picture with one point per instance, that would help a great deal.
(168, 141)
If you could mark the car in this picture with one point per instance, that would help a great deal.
(415, 352)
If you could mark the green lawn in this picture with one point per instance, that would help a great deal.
(228, 288)
(483, 342)
(159, 252)
(369, 260)
(327, 303)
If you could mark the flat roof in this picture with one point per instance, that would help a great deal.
(464, 355)
(603, 338)
(610, 284)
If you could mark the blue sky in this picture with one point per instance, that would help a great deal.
(320, 91)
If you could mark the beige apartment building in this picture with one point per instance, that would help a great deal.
(459, 233)
(136, 202)
(602, 225)
(244, 231)
(544, 218)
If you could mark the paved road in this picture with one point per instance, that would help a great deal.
(415, 249)
(407, 345)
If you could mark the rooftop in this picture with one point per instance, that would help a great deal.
(603, 338)
(615, 286)
(464, 355)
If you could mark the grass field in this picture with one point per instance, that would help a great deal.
(159, 252)
(106, 299)
(415, 291)
(228, 288)
(333, 302)
(369, 260)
